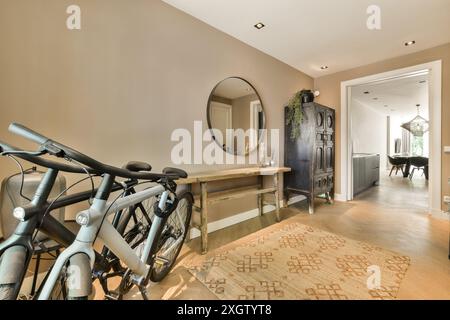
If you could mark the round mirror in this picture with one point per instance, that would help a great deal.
(236, 116)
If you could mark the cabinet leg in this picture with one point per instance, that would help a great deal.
(204, 217)
(329, 198)
(277, 196)
(286, 199)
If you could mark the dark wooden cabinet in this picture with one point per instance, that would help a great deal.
(311, 156)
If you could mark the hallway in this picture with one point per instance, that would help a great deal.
(397, 192)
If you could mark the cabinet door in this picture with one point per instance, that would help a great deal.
(329, 157)
(320, 119)
(319, 159)
(329, 121)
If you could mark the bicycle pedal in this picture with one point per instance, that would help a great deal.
(161, 261)
(113, 295)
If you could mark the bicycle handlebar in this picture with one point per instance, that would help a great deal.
(29, 134)
(62, 151)
(4, 147)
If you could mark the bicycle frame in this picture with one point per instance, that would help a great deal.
(95, 218)
(23, 234)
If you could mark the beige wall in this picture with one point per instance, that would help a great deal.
(118, 88)
(330, 94)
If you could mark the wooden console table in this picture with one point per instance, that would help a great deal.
(207, 198)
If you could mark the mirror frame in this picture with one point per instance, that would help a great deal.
(209, 118)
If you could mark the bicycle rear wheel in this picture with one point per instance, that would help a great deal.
(170, 238)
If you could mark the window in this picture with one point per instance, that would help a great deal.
(417, 146)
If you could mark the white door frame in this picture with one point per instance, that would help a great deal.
(255, 107)
(229, 110)
(435, 109)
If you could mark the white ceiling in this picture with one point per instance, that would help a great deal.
(400, 96)
(308, 34)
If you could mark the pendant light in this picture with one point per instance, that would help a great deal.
(417, 126)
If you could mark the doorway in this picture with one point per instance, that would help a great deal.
(432, 71)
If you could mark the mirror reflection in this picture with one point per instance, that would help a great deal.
(235, 104)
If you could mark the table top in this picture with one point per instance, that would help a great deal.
(406, 156)
(232, 174)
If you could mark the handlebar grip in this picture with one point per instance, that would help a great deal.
(27, 133)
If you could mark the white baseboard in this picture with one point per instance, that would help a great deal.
(240, 217)
(439, 214)
(340, 197)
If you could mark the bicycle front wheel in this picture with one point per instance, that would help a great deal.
(74, 281)
(13, 266)
(170, 238)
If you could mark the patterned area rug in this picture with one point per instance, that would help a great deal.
(295, 261)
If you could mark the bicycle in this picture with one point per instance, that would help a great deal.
(17, 250)
(159, 243)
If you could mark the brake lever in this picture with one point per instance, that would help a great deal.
(28, 153)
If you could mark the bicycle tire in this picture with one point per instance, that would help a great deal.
(157, 274)
(16, 258)
(60, 290)
(7, 292)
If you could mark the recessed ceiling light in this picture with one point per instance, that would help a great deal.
(375, 98)
(410, 43)
(366, 92)
(324, 67)
(423, 81)
(259, 25)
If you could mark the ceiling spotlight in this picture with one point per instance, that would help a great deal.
(366, 92)
(410, 43)
(423, 81)
(375, 98)
(259, 25)
(324, 67)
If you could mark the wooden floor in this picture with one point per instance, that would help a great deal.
(393, 216)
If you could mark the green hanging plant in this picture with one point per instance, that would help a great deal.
(295, 114)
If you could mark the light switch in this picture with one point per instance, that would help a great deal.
(447, 149)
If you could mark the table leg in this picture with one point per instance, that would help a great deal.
(407, 169)
(277, 196)
(204, 216)
(311, 203)
(188, 231)
(260, 196)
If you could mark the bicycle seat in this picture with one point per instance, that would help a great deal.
(174, 171)
(137, 166)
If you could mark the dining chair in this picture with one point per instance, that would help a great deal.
(418, 163)
(397, 164)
